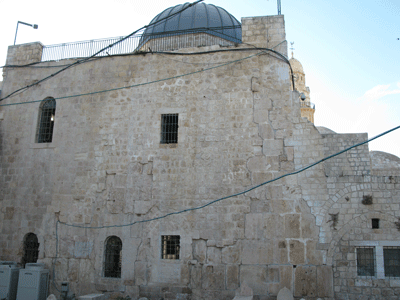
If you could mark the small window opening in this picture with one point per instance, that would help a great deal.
(366, 261)
(391, 258)
(375, 223)
(47, 112)
(31, 249)
(113, 257)
(170, 246)
(169, 129)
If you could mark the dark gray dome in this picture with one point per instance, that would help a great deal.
(202, 17)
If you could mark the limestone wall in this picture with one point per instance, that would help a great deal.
(239, 126)
(106, 167)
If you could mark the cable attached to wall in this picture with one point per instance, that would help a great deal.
(98, 52)
(265, 51)
(211, 202)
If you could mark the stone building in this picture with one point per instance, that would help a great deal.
(93, 151)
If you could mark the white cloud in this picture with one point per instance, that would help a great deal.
(378, 92)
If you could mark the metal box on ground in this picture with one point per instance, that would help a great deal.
(33, 282)
(8, 280)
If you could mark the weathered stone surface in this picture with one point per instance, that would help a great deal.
(232, 277)
(200, 250)
(324, 281)
(255, 277)
(285, 294)
(239, 125)
(296, 252)
(305, 281)
(213, 277)
(244, 292)
(292, 226)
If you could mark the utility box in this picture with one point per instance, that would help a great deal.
(33, 282)
(9, 273)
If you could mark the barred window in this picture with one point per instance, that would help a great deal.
(170, 246)
(391, 258)
(31, 249)
(47, 111)
(169, 129)
(366, 261)
(113, 257)
(375, 223)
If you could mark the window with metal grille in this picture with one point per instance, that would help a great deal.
(31, 249)
(366, 261)
(391, 260)
(170, 246)
(113, 257)
(169, 129)
(375, 223)
(47, 112)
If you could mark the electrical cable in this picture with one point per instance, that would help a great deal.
(214, 201)
(165, 79)
(103, 49)
(240, 193)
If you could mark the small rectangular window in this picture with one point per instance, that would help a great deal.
(366, 261)
(375, 223)
(170, 246)
(169, 129)
(391, 257)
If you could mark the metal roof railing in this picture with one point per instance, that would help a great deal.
(166, 41)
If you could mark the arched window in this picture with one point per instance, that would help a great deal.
(113, 257)
(31, 249)
(47, 112)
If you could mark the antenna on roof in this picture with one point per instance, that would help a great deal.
(292, 47)
(279, 7)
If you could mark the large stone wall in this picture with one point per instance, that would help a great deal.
(239, 126)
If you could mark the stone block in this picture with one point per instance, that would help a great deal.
(213, 277)
(213, 255)
(273, 274)
(256, 277)
(314, 256)
(305, 282)
(292, 226)
(256, 252)
(296, 252)
(140, 273)
(285, 276)
(199, 250)
(324, 281)
(232, 277)
(231, 254)
(273, 147)
(266, 131)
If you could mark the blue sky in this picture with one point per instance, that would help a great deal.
(349, 49)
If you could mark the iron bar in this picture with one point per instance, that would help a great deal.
(166, 41)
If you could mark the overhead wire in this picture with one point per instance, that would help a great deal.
(211, 202)
(169, 78)
(101, 50)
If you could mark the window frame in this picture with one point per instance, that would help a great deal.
(31, 249)
(112, 264)
(169, 128)
(45, 122)
(170, 247)
(365, 266)
(386, 262)
(379, 257)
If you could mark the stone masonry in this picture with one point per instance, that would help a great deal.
(239, 126)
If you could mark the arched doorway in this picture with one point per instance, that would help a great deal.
(31, 249)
